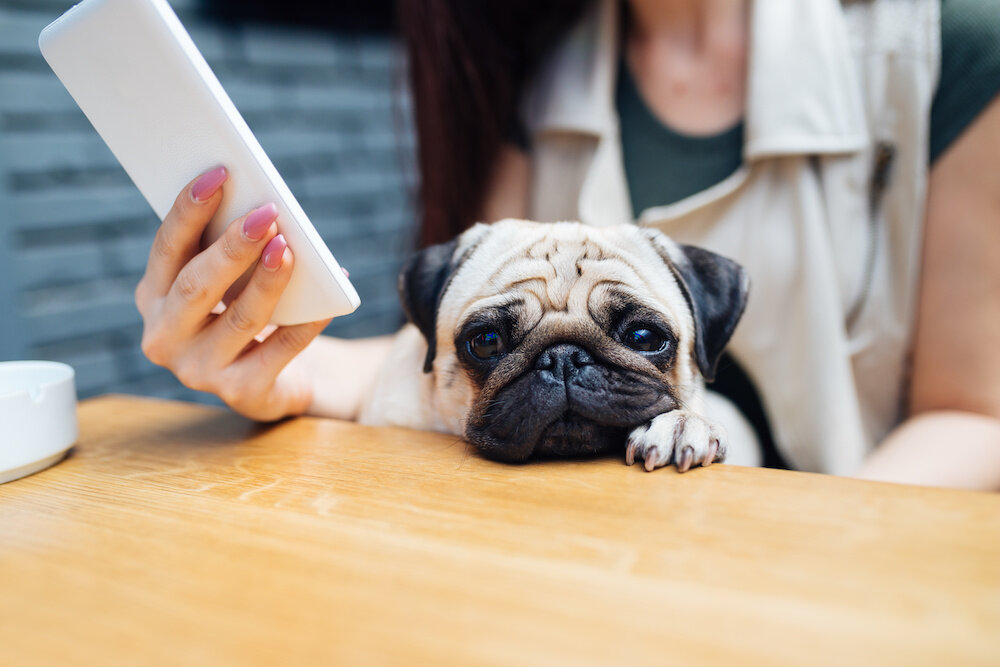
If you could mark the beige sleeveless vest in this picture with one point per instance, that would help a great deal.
(826, 212)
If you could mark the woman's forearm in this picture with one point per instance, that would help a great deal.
(939, 448)
(344, 371)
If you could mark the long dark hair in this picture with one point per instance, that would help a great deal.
(469, 62)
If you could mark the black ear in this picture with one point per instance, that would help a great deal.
(422, 282)
(716, 289)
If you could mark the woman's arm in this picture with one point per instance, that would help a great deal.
(508, 194)
(952, 437)
(343, 372)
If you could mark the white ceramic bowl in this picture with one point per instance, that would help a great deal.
(37, 416)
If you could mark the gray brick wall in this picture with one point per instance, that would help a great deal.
(331, 112)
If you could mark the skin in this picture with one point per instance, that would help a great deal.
(952, 435)
(222, 353)
(683, 58)
(688, 60)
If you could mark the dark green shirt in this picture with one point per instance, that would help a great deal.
(663, 166)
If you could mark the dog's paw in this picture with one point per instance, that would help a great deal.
(679, 437)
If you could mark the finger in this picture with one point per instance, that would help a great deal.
(178, 238)
(202, 283)
(230, 334)
(267, 359)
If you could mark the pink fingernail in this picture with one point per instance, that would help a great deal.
(347, 274)
(259, 221)
(274, 253)
(208, 184)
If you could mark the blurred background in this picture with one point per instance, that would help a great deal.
(322, 84)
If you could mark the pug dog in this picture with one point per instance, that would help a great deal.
(563, 340)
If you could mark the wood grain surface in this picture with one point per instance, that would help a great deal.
(181, 534)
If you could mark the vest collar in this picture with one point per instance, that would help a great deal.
(803, 95)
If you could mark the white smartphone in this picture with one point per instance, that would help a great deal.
(147, 90)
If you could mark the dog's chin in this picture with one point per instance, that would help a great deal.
(572, 435)
(568, 436)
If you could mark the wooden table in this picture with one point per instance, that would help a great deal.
(181, 534)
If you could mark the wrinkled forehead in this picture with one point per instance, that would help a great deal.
(577, 271)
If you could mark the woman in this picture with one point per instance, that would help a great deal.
(812, 142)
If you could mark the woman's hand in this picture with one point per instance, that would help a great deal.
(219, 353)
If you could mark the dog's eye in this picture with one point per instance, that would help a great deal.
(486, 345)
(641, 339)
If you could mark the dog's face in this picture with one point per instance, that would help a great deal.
(558, 339)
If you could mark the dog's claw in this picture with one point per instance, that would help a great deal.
(713, 449)
(687, 457)
(649, 462)
(681, 438)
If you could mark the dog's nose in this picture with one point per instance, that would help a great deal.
(563, 358)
